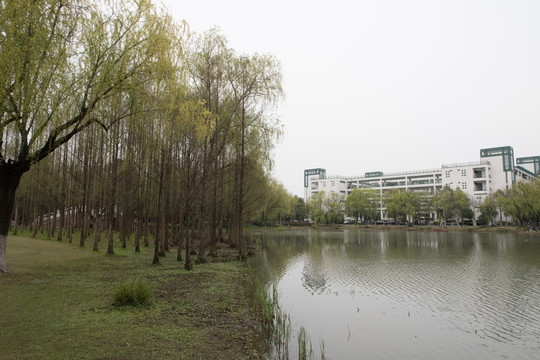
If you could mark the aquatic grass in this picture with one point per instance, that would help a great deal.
(304, 352)
(321, 348)
(276, 323)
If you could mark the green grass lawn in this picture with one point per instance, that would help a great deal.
(58, 305)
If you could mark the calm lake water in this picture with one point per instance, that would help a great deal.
(408, 295)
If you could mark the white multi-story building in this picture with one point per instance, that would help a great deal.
(496, 170)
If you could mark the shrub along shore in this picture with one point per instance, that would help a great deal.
(58, 304)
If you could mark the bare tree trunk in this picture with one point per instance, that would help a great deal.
(180, 234)
(97, 233)
(213, 220)
(145, 231)
(188, 265)
(9, 181)
(85, 190)
(114, 178)
(138, 229)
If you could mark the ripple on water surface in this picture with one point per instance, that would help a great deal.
(421, 295)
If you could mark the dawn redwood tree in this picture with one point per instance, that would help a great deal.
(207, 68)
(59, 60)
(255, 83)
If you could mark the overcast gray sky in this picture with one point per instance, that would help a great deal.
(390, 85)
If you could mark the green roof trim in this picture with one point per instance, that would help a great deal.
(535, 160)
(374, 174)
(317, 171)
(525, 171)
(507, 153)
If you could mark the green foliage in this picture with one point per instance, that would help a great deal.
(443, 203)
(326, 208)
(402, 205)
(61, 62)
(316, 209)
(450, 203)
(521, 202)
(333, 206)
(132, 293)
(304, 352)
(274, 205)
(488, 210)
(276, 322)
(467, 213)
(300, 209)
(362, 203)
(461, 204)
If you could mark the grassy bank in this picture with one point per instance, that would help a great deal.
(58, 305)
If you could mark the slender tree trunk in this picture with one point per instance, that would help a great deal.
(71, 219)
(145, 231)
(240, 205)
(162, 234)
(97, 233)
(213, 220)
(110, 245)
(180, 235)
(138, 235)
(84, 200)
(113, 214)
(188, 265)
(158, 234)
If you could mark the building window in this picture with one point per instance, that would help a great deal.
(332, 182)
(463, 172)
(464, 186)
(447, 173)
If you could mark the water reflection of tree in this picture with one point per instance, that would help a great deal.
(313, 277)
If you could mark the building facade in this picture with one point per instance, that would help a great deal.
(496, 170)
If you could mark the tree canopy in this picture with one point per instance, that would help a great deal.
(134, 123)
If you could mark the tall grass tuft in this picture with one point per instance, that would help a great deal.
(321, 347)
(132, 293)
(303, 341)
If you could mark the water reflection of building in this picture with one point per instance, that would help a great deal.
(496, 170)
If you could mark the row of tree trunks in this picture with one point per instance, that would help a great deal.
(179, 174)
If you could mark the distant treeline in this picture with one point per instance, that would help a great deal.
(519, 205)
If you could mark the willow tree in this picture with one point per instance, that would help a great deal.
(59, 60)
(361, 204)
